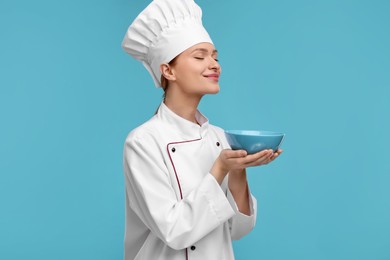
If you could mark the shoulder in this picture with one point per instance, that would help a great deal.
(144, 134)
(220, 133)
(218, 130)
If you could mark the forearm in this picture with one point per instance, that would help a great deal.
(238, 187)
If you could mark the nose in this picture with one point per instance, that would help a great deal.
(214, 65)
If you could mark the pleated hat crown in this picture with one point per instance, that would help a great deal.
(163, 30)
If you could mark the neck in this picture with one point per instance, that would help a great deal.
(182, 104)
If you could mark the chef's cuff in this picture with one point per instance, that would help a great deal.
(216, 199)
(252, 204)
(241, 224)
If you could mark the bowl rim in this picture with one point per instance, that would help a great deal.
(254, 132)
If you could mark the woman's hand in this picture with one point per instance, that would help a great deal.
(237, 160)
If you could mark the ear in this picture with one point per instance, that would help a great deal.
(167, 72)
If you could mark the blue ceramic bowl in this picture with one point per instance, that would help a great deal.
(253, 141)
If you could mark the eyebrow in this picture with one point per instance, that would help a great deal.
(205, 50)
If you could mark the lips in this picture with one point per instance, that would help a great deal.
(213, 76)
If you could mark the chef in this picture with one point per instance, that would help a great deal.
(187, 194)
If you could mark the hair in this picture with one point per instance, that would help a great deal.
(164, 84)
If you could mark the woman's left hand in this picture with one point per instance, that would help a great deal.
(266, 157)
(275, 155)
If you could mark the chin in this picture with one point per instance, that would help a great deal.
(213, 89)
(214, 92)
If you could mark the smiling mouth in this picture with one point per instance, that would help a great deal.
(213, 77)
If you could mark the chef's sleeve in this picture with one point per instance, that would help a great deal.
(179, 223)
(241, 224)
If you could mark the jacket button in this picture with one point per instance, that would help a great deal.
(193, 248)
(218, 144)
(173, 149)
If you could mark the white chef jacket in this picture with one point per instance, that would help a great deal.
(175, 209)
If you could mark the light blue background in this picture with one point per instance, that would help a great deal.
(317, 70)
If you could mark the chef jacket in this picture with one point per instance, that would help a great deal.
(175, 209)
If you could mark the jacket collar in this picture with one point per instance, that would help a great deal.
(185, 128)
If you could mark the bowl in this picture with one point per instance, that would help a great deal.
(254, 141)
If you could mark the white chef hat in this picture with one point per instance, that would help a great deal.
(163, 30)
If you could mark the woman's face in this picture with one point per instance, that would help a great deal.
(196, 70)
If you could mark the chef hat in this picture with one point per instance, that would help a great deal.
(163, 30)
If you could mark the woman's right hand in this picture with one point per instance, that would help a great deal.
(239, 159)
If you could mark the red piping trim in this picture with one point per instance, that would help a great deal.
(173, 165)
(174, 169)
